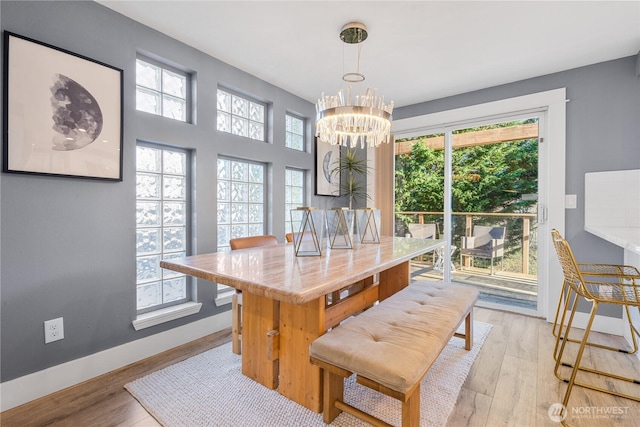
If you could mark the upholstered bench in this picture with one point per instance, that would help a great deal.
(391, 346)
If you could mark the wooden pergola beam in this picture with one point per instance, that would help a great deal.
(469, 139)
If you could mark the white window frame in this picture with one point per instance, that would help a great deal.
(552, 150)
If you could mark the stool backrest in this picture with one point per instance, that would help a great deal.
(572, 276)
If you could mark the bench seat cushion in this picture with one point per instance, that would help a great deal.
(395, 342)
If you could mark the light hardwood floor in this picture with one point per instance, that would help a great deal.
(510, 384)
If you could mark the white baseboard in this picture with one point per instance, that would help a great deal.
(608, 325)
(38, 384)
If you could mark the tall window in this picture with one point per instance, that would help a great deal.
(241, 116)
(241, 200)
(294, 194)
(162, 194)
(162, 90)
(294, 132)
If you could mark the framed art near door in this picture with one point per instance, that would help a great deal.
(63, 112)
(327, 156)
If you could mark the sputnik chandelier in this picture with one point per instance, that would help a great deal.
(367, 120)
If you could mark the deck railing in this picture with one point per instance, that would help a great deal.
(521, 229)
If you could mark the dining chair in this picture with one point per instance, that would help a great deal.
(486, 242)
(236, 301)
(621, 289)
(306, 235)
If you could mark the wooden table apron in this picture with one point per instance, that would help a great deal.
(284, 306)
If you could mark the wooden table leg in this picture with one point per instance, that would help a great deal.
(300, 381)
(259, 317)
(394, 279)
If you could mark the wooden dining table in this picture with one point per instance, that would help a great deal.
(289, 301)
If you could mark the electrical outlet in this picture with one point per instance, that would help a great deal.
(53, 330)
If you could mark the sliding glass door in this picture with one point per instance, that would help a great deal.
(477, 186)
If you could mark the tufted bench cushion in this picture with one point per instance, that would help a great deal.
(395, 342)
(391, 346)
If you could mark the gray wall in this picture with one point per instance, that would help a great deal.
(68, 245)
(603, 132)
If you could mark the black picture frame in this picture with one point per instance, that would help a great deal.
(327, 184)
(63, 112)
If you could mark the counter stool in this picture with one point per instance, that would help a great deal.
(566, 297)
(622, 288)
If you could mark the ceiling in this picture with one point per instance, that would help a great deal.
(416, 50)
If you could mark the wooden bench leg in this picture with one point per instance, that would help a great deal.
(411, 409)
(333, 389)
(468, 331)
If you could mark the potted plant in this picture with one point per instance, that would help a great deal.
(352, 168)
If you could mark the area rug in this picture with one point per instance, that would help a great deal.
(209, 390)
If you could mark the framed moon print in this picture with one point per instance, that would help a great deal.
(63, 112)
(327, 158)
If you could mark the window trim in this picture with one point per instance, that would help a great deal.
(166, 314)
(554, 102)
(225, 297)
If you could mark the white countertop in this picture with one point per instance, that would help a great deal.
(625, 237)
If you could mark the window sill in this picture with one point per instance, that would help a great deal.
(224, 298)
(167, 314)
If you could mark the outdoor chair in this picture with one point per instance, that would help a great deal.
(621, 289)
(424, 231)
(487, 242)
(236, 301)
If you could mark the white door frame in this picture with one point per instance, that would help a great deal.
(552, 154)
